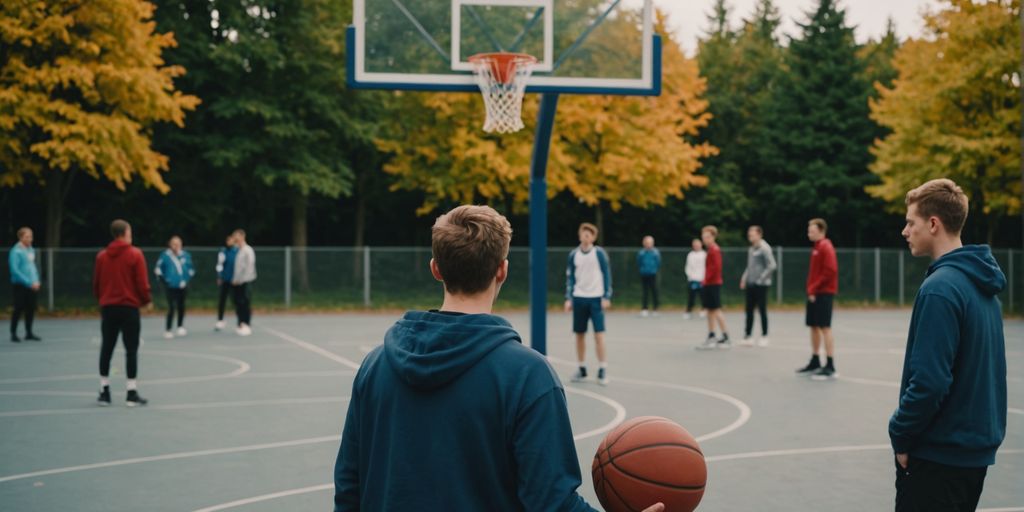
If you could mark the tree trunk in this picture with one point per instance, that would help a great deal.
(300, 240)
(599, 221)
(1020, 86)
(54, 206)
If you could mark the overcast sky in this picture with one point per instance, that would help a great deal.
(689, 17)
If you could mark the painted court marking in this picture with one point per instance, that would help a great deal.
(242, 368)
(743, 408)
(313, 348)
(620, 413)
(174, 456)
(177, 407)
(266, 497)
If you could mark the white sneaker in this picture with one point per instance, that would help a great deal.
(709, 344)
(687, 316)
(703, 314)
(747, 342)
(243, 330)
(644, 313)
(181, 331)
(763, 341)
(168, 335)
(219, 325)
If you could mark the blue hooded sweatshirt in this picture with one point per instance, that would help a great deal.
(453, 413)
(175, 270)
(649, 261)
(952, 406)
(22, 262)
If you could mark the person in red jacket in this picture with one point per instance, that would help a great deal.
(121, 284)
(711, 291)
(822, 285)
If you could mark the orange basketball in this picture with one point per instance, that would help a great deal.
(648, 460)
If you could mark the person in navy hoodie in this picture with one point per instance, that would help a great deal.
(174, 269)
(225, 273)
(453, 412)
(952, 409)
(649, 261)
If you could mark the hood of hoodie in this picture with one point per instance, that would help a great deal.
(117, 248)
(429, 350)
(978, 264)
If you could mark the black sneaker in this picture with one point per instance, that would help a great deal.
(811, 367)
(104, 398)
(33, 337)
(15, 338)
(602, 377)
(580, 375)
(824, 373)
(134, 399)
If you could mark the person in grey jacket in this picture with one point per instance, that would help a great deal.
(245, 273)
(756, 280)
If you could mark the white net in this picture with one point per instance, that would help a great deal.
(502, 79)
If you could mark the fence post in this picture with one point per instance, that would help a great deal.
(878, 275)
(366, 276)
(49, 279)
(778, 288)
(901, 278)
(287, 276)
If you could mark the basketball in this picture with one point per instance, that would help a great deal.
(648, 460)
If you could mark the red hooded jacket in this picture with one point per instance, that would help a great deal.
(823, 276)
(121, 277)
(713, 266)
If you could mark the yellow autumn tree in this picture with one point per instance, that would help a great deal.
(635, 150)
(614, 149)
(81, 83)
(955, 111)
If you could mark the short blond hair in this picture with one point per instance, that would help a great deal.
(820, 224)
(710, 229)
(586, 226)
(941, 198)
(23, 230)
(468, 244)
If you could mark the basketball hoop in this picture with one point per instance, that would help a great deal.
(502, 79)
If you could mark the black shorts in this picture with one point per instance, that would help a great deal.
(819, 312)
(711, 296)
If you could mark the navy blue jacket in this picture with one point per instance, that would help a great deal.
(453, 413)
(952, 406)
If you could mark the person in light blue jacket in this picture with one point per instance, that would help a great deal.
(649, 261)
(174, 269)
(25, 281)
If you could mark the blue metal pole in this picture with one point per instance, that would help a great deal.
(539, 223)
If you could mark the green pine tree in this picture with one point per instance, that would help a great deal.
(815, 154)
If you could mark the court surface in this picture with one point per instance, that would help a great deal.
(254, 423)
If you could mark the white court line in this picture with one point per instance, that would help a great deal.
(744, 409)
(46, 393)
(266, 497)
(824, 449)
(313, 348)
(1004, 509)
(243, 367)
(289, 375)
(620, 413)
(174, 456)
(1012, 410)
(177, 407)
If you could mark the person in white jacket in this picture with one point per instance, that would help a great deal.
(695, 261)
(245, 273)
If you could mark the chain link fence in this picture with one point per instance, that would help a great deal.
(379, 277)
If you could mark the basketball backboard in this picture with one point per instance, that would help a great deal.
(581, 46)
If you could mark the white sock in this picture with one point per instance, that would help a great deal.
(104, 382)
(132, 384)
(604, 365)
